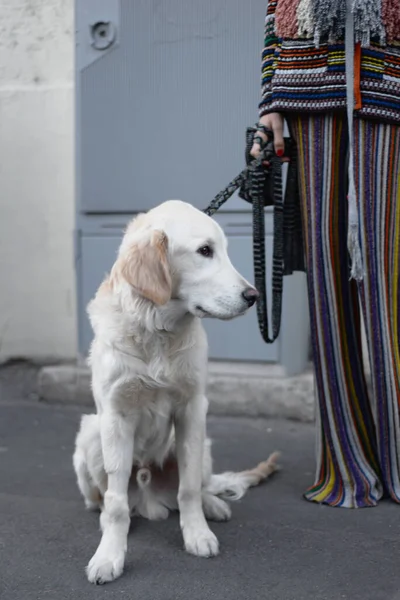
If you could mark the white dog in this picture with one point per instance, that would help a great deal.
(146, 450)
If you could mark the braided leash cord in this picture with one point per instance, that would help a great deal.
(231, 188)
(259, 173)
(226, 193)
(259, 253)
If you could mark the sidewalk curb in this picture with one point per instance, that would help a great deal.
(234, 389)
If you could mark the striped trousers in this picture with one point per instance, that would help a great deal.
(358, 431)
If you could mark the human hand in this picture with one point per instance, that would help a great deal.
(274, 122)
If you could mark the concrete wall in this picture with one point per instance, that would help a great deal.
(37, 298)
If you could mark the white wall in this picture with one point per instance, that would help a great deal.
(37, 297)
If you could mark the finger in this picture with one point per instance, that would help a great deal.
(277, 128)
(257, 146)
(255, 151)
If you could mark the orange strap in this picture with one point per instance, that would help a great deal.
(357, 76)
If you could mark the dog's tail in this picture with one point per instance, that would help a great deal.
(143, 477)
(233, 486)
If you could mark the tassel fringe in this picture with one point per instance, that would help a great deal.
(357, 269)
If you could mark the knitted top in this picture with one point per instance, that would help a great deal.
(304, 66)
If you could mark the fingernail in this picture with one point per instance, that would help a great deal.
(279, 152)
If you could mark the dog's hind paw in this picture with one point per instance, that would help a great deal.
(215, 509)
(92, 506)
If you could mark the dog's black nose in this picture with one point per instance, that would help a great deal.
(251, 296)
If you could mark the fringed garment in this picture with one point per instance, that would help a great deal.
(348, 139)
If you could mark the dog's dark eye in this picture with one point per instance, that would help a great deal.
(205, 251)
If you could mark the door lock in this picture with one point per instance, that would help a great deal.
(103, 34)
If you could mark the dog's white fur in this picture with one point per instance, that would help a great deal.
(148, 360)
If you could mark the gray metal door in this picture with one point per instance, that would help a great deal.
(165, 90)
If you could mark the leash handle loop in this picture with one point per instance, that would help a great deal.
(258, 173)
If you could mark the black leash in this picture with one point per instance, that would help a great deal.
(262, 186)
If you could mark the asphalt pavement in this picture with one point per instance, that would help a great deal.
(276, 547)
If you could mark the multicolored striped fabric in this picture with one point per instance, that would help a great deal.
(298, 76)
(358, 434)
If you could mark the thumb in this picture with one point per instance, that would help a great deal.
(255, 151)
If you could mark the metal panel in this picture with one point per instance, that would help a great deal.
(97, 255)
(162, 112)
(165, 90)
(236, 340)
(295, 329)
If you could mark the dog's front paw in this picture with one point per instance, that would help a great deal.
(105, 567)
(201, 542)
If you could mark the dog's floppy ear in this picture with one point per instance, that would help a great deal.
(144, 265)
